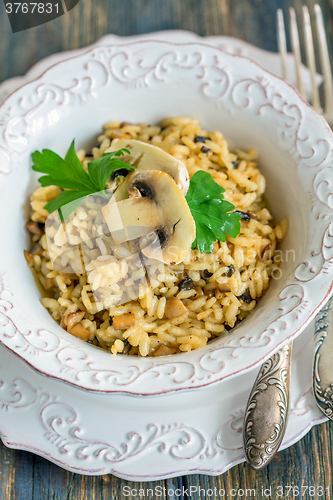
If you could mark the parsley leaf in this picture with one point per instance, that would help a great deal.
(101, 169)
(69, 174)
(210, 212)
(67, 201)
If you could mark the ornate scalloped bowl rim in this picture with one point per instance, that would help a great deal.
(148, 366)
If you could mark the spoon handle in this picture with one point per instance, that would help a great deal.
(267, 410)
(322, 363)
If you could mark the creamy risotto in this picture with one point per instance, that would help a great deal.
(110, 294)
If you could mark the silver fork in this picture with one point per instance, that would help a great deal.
(322, 365)
(327, 109)
(268, 405)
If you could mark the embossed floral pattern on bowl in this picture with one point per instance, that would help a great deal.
(147, 81)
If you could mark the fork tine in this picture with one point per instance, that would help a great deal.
(311, 58)
(282, 44)
(325, 61)
(296, 50)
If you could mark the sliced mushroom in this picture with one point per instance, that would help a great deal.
(156, 211)
(164, 350)
(73, 319)
(36, 227)
(123, 321)
(148, 157)
(174, 308)
(80, 332)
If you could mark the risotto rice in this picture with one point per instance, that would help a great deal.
(113, 298)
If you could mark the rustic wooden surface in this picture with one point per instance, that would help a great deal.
(24, 476)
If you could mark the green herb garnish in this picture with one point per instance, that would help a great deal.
(210, 212)
(69, 174)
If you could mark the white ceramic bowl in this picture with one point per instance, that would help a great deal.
(148, 81)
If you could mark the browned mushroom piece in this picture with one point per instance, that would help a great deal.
(29, 257)
(37, 249)
(35, 227)
(74, 318)
(165, 350)
(252, 215)
(174, 308)
(264, 250)
(80, 332)
(123, 321)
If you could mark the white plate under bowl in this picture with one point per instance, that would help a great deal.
(26, 404)
(268, 60)
(142, 439)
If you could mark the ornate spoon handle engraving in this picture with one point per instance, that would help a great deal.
(267, 410)
(323, 360)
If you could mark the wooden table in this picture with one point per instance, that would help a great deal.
(24, 476)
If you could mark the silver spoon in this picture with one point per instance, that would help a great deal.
(267, 409)
(322, 363)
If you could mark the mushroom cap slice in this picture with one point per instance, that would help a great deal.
(148, 157)
(157, 212)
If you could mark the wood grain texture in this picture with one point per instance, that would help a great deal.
(24, 476)
(250, 20)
